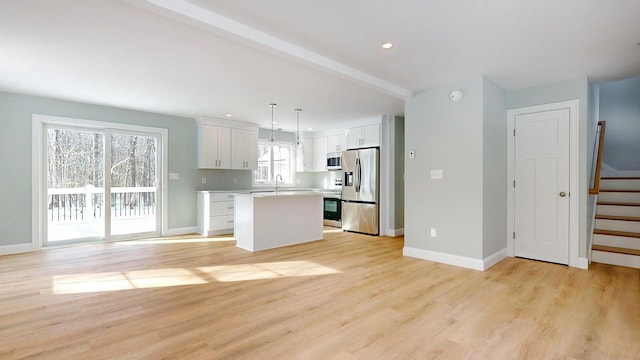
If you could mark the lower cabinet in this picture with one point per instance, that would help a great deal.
(215, 212)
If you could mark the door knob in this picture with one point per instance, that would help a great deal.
(563, 194)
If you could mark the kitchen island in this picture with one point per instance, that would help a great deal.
(274, 219)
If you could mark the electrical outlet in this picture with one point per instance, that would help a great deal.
(412, 154)
(235, 180)
(204, 180)
(433, 232)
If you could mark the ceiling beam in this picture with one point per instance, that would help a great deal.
(217, 21)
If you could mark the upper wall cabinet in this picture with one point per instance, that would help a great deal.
(226, 144)
(336, 143)
(363, 136)
(244, 149)
(214, 147)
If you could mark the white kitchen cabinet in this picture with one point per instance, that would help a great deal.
(304, 155)
(363, 136)
(214, 147)
(215, 212)
(320, 154)
(336, 143)
(227, 144)
(244, 149)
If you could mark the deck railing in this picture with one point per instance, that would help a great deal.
(87, 203)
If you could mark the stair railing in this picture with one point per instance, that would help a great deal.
(597, 152)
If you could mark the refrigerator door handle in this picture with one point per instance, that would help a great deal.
(358, 174)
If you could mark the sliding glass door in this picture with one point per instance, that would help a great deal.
(133, 184)
(75, 184)
(85, 205)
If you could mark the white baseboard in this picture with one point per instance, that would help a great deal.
(15, 249)
(181, 231)
(449, 259)
(583, 263)
(456, 260)
(494, 258)
(395, 232)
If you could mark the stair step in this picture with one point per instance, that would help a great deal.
(616, 217)
(617, 233)
(628, 226)
(619, 196)
(618, 203)
(612, 208)
(616, 241)
(615, 258)
(616, 250)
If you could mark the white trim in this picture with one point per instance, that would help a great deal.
(15, 249)
(444, 258)
(386, 196)
(582, 263)
(574, 174)
(494, 258)
(37, 166)
(395, 232)
(180, 231)
(37, 231)
(219, 23)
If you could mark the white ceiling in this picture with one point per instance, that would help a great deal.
(215, 57)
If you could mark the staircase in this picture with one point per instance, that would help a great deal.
(616, 237)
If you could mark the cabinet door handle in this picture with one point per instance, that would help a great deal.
(230, 221)
(230, 208)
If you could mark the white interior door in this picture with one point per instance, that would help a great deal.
(541, 194)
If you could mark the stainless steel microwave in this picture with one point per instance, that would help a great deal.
(334, 161)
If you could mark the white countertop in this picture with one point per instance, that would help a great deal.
(280, 193)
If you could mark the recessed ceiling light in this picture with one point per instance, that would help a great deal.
(387, 45)
(310, 128)
(274, 122)
(228, 115)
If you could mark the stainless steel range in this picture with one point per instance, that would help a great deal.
(332, 208)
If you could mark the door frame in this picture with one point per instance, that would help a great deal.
(574, 174)
(38, 159)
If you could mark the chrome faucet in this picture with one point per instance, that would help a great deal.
(278, 176)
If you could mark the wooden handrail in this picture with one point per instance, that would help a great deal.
(596, 180)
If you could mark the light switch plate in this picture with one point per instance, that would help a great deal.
(436, 174)
(174, 176)
(204, 180)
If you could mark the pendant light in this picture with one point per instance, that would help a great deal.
(272, 105)
(299, 145)
(298, 126)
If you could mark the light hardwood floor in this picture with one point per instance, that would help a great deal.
(346, 297)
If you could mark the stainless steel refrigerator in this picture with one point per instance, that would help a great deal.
(360, 190)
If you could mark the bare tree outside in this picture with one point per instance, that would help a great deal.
(76, 175)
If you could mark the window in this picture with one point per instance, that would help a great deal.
(275, 159)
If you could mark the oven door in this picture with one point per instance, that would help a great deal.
(332, 211)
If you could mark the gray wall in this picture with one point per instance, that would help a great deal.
(15, 159)
(564, 91)
(494, 168)
(620, 107)
(448, 136)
